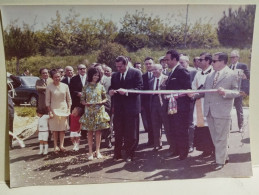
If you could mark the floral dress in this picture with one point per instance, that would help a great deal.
(95, 118)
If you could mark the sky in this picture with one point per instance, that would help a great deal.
(42, 14)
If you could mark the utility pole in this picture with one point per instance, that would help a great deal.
(185, 29)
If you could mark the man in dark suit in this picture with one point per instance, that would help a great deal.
(126, 108)
(243, 73)
(76, 85)
(69, 73)
(178, 79)
(158, 107)
(145, 99)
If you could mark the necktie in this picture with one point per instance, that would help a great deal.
(157, 83)
(150, 75)
(215, 79)
(233, 67)
(122, 79)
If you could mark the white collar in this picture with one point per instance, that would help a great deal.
(175, 67)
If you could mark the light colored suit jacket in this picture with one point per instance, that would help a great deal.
(218, 105)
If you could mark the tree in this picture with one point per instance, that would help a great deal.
(19, 42)
(140, 30)
(109, 52)
(236, 28)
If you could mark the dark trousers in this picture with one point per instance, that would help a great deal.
(238, 103)
(147, 115)
(191, 124)
(126, 129)
(179, 125)
(158, 117)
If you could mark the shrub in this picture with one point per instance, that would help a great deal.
(26, 111)
(109, 53)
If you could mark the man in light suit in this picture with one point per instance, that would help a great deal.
(218, 106)
(158, 106)
(178, 79)
(76, 85)
(162, 61)
(243, 74)
(126, 108)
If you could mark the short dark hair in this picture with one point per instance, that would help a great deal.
(136, 64)
(91, 72)
(208, 56)
(174, 54)
(52, 72)
(122, 59)
(43, 69)
(222, 56)
(80, 110)
(40, 111)
(148, 58)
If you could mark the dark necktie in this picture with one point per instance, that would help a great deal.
(233, 67)
(157, 83)
(122, 79)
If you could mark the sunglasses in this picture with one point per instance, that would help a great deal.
(201, 59)
(82, 68)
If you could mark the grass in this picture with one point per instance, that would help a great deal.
(25, 111)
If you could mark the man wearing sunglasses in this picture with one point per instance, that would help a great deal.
(218, 106)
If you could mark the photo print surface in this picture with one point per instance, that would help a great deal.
(74, 119)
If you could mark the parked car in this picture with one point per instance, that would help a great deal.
(26, 92)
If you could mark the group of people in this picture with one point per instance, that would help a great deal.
(98, 99)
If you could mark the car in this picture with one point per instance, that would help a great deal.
(26, 92)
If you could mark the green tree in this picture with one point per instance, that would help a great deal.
(109, 52)
(235, 29)
(140, 30)
(19, 42)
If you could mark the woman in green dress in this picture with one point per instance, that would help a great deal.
(95, 119)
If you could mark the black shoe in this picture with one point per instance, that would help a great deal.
(149, 143)
(218, 167)
(182, 158)
(155, 149)
(171, 154)
(206, 154)
(117, 157)
(129, 159)
(191, 149)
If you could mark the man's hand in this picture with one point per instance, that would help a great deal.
(112, 92)
(221, 91)
(122, 91)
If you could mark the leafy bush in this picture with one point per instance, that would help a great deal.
(109, 53)
(25, 111)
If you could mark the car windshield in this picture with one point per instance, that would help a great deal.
(29, 81)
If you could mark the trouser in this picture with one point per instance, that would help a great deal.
(219, 130)
(126, 130)
(238, 103)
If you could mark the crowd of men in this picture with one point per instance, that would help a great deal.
(200, 120)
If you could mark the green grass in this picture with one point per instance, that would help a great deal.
(25, 111)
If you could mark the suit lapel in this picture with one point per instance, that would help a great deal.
(151, 83)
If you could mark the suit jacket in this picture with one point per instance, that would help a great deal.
(65, 80)
(40, 86)
(145, 99)
(166, 72)
(75, 87)
(219, 106)
(243, 83)
(131, 103)
(162, 86)
(180, 80)
(192, 72)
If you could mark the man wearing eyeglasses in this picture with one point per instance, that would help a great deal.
(76, 85)
(218, 106)
(242, 71)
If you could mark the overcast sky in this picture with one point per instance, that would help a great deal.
(43, 14)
